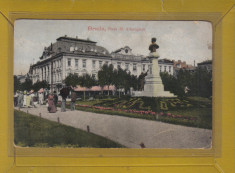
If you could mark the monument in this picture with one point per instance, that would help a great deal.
(153, 86)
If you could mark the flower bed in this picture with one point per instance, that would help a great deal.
(182, 111)
(160, 115)
(170, 115)
(120, 110)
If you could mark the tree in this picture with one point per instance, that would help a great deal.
(27, 84)
(106, 76)
(202, 83)
(199, 82)
(40, 84)
(71, 80)
(134, 82)
(86, 81)
(172, 84)
(119, 79)
(17, 84)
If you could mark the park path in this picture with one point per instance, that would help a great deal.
(130, 132)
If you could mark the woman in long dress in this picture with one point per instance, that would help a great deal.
(51, 105)
(24, 98)
(28, 99)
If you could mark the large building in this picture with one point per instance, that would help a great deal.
(206, 65)
(178, 65)
(78, 56)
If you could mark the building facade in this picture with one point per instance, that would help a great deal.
(206, 65)
(179, 65)
(78, 56)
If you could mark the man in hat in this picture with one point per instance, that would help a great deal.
(64, 92)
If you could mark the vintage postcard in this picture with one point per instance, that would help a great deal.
(113, 84)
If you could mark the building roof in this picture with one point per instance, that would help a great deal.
(183, 65)
(119, 50)
(205, 62)
(73, 46)
(65, 38)
(165, 61)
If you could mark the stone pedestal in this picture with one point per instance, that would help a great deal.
(153, 83)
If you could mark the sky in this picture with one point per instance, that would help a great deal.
(177, 40)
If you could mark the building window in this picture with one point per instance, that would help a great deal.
(69, 62)
(100, 64)
(76, 63)
(71, 49)
(118, 65)
(164, 68)
(93, 63)
(169, 69)
(134, 67)
(59, 76)
(127, 66)
(143, 67)
(84, 63)
(150, 69)
(106, 62)
(93, 76)
(160, 68)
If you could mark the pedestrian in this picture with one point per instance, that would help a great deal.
(16, 98)
(73, 100)
(55, 99)
(20, 99)
(41, 96)
(32, 101)
(24, 99)
(28, 99)
(186, 90)
(51, 105)
(64, 92)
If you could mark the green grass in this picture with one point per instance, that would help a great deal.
(33, 131)
(203, 115)
(192, 107)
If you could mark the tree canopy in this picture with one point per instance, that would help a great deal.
(199, 82)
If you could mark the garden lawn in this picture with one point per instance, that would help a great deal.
(188, 111)
(33, 131)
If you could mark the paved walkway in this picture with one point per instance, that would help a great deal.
(131, 131)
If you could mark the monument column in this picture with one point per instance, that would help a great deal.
(153, 83)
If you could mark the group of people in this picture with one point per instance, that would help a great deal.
(25, 99)
(64, 92)
(32, 99)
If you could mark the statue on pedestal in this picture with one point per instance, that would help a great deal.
(153, 48)
(151, 83)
